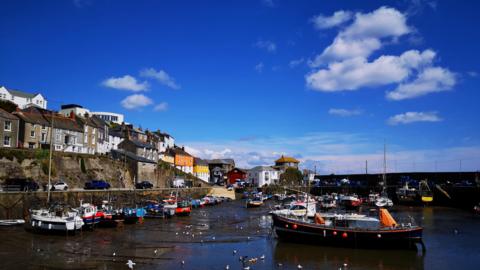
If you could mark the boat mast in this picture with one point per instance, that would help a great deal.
(49, 186)
(384, 180)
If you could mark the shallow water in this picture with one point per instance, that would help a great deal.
(207, 238)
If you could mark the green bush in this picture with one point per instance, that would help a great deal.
(44, 164)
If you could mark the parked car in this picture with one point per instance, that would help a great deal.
(20, 184)
(143, 185)
(97, 184)
(60, 185)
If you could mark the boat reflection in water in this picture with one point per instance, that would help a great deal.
(321, 257)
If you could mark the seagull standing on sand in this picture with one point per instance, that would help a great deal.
(130, 264)
(262, 257)
(227, 267)
(299, 267)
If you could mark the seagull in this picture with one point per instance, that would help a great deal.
(183, 262)
(234, 251)
(155, 251)
(279, 264)
(262, 257)
(246, 268)
(114, 254)
(176, 233)
(345, 265)
(213, 238)
(130, 264)
(227, 267)
(299, 267)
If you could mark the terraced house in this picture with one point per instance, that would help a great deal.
(183, 160)
(8, 129)
(200, 169)
(34, 129)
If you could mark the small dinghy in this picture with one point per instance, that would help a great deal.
(11, 222)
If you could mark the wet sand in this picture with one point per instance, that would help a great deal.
(207, 239)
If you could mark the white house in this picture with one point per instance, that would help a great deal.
(263, 175)
(23, 99)
(76, 109)
(110, 117)
(114, 139)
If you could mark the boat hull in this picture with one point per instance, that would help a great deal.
(296, 231)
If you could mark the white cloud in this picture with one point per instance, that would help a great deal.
(136, 101)
(267, 45)
(429, 80)
(259, 67)
(344, 112)
(411, 117)
(364, 35)
(296, 62)
(337, 153)
(163, 106)
(344, 64)
(126, 82)
(357, 72)
(339, 17)
(161, 76)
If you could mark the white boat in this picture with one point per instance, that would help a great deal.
(11, 222)
(299, 209)
(383, 202)
(50, 220)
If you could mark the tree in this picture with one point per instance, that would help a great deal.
(291, 176)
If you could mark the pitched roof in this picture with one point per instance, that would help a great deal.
(199, 161)
(222, 161)
(40, 116)
(6, 115)
(179, 151)
(21, 93)
(140, 144)
(262, 168)
(284, 159)
(120, 154)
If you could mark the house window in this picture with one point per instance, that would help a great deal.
(8, 126)
(31, 145)
(6, 141)
(57, 137)
(44, 137)
(67, 139)
(44, 127)
(32, 132)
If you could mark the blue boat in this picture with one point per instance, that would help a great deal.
(133, 215)
(154, 209)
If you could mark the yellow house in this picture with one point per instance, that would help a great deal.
(200, 169)
(170, 159)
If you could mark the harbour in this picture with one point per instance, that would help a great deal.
(215, 237)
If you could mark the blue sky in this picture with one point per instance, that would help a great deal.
(325, 81)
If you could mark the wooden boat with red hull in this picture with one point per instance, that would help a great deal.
(348, 232)
(183, 208)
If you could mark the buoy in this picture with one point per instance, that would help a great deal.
(295, 226)
(379, 235)
(286, 225)
(344, 235)
(334, 233)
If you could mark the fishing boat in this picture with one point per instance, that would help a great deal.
(183, 208)
(133, 215)
(383, 202)
(327, 202)
(109, 216)
(154, 209)
(256, 201)
(196, 203)
(55, 220)
(349, 230)
(350, 202)
(89, 214)
(11, 222)
(406, 193)
(299, 209)
(425, 192)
